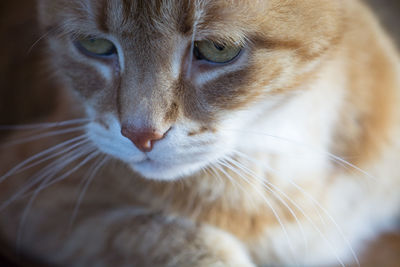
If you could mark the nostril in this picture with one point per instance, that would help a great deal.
(143, 139)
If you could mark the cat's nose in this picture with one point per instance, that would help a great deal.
(143, 139)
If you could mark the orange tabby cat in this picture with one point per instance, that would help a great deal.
(208, 133)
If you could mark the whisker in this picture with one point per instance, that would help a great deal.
(308, 219)
(97, 166)
(331, 156)
(72, 156)
(270, 187)
(44, 125)
(50, 183)
(43, 135)
(210, 173)
(269, 205)
(315, 202)
(57, 165)
(216, 174)
(45, 183)
(45, 35)
(69, 148)
(23, 165)
(230, 178)
(51, 169)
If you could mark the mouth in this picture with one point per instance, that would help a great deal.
(165, 171)
(164, 163)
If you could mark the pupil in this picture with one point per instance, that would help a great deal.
(197, 53)
(219, 47)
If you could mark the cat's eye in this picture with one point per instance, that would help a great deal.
(216, 53)
(97, 46)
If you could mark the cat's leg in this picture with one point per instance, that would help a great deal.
(131, 238)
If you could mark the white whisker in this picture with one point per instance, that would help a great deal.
(229, 177)
(51, 169)
(270, 187)
(45, 183)
(317, 205)
(331, 156)
(44, 125)
(269, 205)
(45, 35)
(215, 172)
(24, 164)
(96, 167)
(95, 153)
(43, 135)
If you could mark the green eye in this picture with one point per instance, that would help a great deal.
(97, 47)
(215, 53)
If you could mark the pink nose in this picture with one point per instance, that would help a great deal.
(143, 139)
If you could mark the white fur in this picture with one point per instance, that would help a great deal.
(174, 156)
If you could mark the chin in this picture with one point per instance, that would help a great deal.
(153, 170)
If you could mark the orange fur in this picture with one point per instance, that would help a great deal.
(295, 54)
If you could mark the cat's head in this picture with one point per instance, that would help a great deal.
(170, 84)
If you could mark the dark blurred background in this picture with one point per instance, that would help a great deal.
(388, 12)
(23, 81)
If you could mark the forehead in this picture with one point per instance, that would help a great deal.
(135, 17)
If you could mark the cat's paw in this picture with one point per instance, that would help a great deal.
(226, 248)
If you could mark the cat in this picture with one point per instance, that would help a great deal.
(207, 133)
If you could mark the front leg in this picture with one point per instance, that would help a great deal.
(134, 238)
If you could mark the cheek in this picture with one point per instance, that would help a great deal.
(242, 88)
(96, 82)
(232, 91)
(86, 75)
(206, 103)
(85, 80)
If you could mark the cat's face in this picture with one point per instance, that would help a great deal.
(181, 78)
